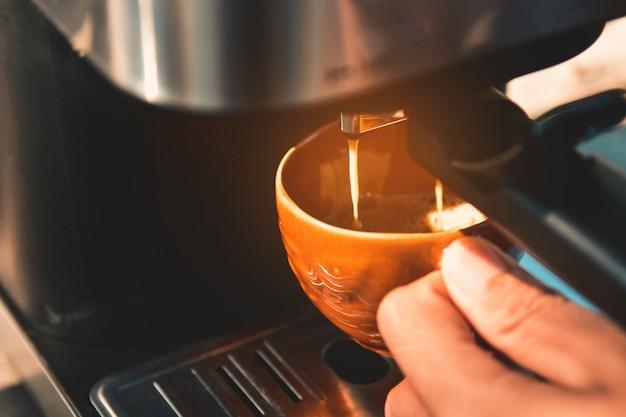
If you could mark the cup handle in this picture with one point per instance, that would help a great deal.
(493, 233)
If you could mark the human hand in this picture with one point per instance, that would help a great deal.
(429, 325)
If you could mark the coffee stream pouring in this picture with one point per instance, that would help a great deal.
(353, 125)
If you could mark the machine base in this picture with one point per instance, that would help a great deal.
(289, 368)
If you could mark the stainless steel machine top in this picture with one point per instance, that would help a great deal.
(222, 56)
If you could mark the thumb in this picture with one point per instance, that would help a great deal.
(539, 330)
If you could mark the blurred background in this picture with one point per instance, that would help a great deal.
(600, 67)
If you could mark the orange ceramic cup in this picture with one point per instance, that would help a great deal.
(345, 273)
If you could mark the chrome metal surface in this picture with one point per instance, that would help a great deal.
(15, 401)
(303, 368)
(31, 368)
(226, 55)
(355, 124)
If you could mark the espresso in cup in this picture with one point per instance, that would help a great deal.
(407, 213)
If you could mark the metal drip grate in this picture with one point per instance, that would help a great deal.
(254, 380)
(276, 372)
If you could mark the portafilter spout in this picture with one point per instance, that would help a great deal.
(353, 125)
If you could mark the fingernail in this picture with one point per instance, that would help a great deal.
(469, 262)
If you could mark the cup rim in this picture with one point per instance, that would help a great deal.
(283, 195)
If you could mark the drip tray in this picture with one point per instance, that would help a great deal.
(303, 368)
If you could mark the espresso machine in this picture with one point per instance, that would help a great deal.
(141, 267)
